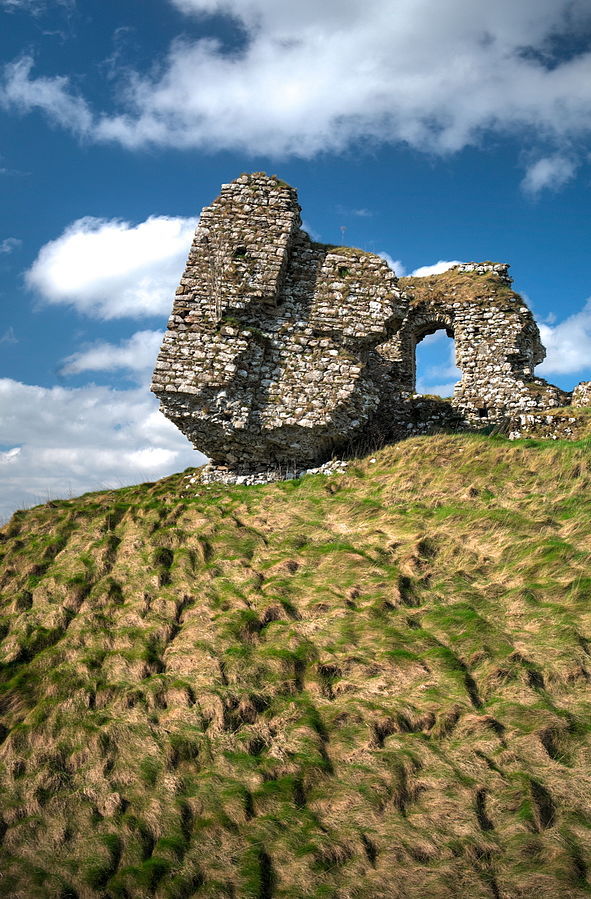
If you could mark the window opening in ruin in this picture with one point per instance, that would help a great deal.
(436, 373)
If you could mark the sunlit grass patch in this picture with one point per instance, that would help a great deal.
(380, 678)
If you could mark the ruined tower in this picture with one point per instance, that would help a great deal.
(280, 350)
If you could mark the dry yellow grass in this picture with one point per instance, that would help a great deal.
(459, 286)
(369, 685)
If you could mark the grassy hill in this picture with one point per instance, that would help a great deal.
(374, 684)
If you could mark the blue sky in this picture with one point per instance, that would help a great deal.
(429, 130)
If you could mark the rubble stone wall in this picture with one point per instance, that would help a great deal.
(497, 343)
(280, 350)
(546, 426)
(582, 394)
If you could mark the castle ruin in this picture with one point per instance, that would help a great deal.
(283, 351)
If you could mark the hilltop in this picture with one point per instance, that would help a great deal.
(372, 684)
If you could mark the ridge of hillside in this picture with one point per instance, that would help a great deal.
(371, 684)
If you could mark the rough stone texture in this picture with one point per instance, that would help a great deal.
(546, 427)
(582, 394)
(281, 351)
(221, 474)
(497, 341)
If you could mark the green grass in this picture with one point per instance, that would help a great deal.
(369, 685)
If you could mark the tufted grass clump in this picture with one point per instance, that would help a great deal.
(373, 684)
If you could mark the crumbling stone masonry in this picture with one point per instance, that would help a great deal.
(582, 394)
(282, 351)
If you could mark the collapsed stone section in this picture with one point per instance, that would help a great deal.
(281, 351)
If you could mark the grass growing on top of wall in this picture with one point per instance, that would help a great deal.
(372, 684)
(456, 286)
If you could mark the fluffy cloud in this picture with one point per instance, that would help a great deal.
(395, 264)
(568, 344)
(436, 269)
(62, 442)
(312, 76)
(551, 172)
(49, 95)
(137, 354)
(112, 269)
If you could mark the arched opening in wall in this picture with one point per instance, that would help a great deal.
(436, 373)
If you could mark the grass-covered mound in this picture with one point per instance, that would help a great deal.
(366, 685)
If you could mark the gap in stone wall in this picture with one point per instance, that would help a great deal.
(436, 372)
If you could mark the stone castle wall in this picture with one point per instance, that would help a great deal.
(280, 350)
(497, 343)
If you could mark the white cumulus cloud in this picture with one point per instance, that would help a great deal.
(311, 77)
(395, 264)
(568, 344)
(436, 269)
(112, 269)
(137, 354)
(548, 173)
(62, 442)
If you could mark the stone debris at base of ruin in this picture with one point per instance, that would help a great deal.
(282, 352)
(221, 474)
